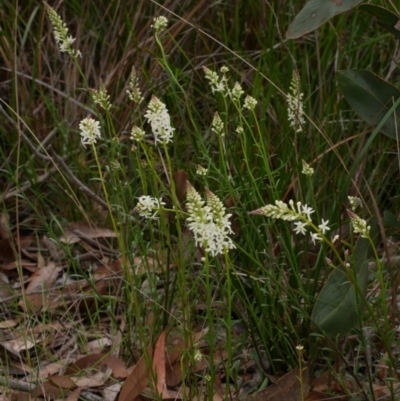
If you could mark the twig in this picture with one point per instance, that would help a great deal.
(94, 243)
(16, 384)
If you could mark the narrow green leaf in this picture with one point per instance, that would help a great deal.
(371, 98)
(315, 13)
(385, 18)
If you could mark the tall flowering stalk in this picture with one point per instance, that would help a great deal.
(63, 40)
(209, 222)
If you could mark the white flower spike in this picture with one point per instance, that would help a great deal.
(209, 222)
(158, 117)
(90, 131)
(61, 36)
(295, 104)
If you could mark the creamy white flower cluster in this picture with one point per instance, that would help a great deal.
(90, 131)
(354, 203)
(209, 222)
(148, 207)
(134, 92)
(295, 104)
(63, 40)
(300, 214)
(249, 103)
(201, 170)
(307, 169)
(359, 224)
(101, 97)
(159, 24)
(158, 117)
(217, 124)
(137, 134)
(217, 83)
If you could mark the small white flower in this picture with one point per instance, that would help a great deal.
(148, 207)
(300, 227)
(324, 226)
(198, 356)
(63, 40)
(239, 130)
(224, 69)
(249, 103)
(315, 237)
(237, 91)
(354, 202)
(201, 170)
(307, 211)
(335, 238)
(90, 131)
(158, 117)
(159, 24)
(137, 134)
(307, 170)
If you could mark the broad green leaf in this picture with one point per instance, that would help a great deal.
(336, 310)
(391, 224)
(388, 20)
(371, 98)
(390, 220)
(315, 13)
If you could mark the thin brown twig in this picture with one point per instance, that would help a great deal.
(16, 384)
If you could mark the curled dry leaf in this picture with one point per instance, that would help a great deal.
(287, 388)
(97, 379)
(118, 368)
(36, 292)
(71, 237)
